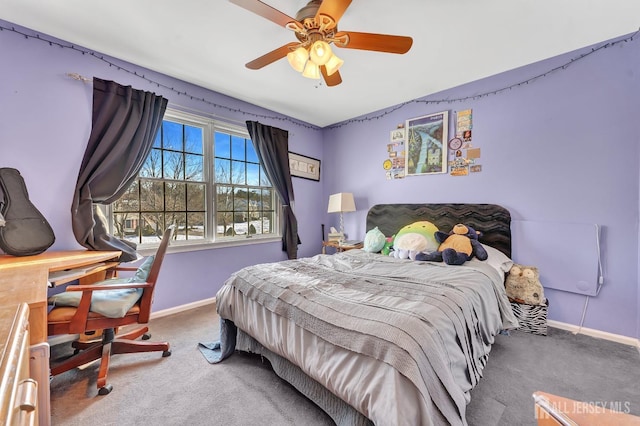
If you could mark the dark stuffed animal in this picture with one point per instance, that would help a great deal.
(456, 247)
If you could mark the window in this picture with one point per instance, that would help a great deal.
(202, 176)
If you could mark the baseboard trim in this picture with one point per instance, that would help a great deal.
(625, 340)
(182, 308)
(64, 338)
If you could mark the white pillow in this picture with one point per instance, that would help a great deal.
(498, 260)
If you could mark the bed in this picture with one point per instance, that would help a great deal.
(373, 339)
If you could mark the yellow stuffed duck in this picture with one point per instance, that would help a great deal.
(456, 247)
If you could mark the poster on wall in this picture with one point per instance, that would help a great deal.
(427, 144)
(394, 164)
(463, 155)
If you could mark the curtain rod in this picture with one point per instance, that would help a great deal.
(182, 108)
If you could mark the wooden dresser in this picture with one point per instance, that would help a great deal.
(18, 392)
(26, 279)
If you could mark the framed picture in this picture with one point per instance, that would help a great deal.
(427, 138)
(304, 167)
(397, 135)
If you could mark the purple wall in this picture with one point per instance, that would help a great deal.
(45, 121)
(563, 148)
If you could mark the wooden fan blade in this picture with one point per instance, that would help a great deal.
(271, 57)
(331, 80)
(377, 42)
(264, 10)
(333, 8)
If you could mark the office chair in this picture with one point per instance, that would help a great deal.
(85, 309)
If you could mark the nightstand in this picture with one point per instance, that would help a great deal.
(339, 248)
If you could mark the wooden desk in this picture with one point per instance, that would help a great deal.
(553, 410)
(26, 279)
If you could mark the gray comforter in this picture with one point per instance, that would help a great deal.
(431, 322)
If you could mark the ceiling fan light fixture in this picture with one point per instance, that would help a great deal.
(334, 64)
(298, 58)
(311, 70)
(320, 52)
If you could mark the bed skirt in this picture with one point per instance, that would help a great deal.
(341, 412)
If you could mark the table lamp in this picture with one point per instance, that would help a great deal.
(340, 203)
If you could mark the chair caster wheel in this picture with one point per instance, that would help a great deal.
(166, 353)
(146, 336)
(105, 390)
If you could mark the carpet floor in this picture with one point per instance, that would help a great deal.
(243, 390)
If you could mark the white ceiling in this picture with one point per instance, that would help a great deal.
(208, 42)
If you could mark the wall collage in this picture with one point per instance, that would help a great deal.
(421, 146)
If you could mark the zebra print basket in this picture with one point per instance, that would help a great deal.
(532, 318)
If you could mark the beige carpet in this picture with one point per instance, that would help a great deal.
(184, 389)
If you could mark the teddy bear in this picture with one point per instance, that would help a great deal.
(456, 247)
(415, 238)
(523, 285)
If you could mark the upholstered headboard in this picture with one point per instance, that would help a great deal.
(492, 220)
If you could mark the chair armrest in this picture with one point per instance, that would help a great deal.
(115, 286)
(125, 268)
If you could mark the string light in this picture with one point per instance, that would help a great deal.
(368, 117)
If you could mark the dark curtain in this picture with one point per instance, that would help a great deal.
(272, 147)
(124, 125)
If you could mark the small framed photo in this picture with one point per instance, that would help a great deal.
(396, 135)
(427, 138)
(304, 167)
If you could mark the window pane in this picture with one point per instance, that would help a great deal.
(129, 202)
(240, 200)
(224, 226)
(196, 197)
(173, 165)
(195, 226)
(223, 171)
(224, 198)
(194, 167)
(175, 197)
(157, 142)
(222, 145)
(251, 152)
(151, 195)
(237, 148)
(238, 175)
(172, 135)
(125, 225)
(253, 174)
(193, 139)
(180, 221)
(152, 167)
(267, 199)
(153, 226)
(264, 180)
(267, 220)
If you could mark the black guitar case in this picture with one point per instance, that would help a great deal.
(24, 230)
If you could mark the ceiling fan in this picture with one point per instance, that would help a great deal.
(316, 27)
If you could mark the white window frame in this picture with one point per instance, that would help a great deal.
(210, 126)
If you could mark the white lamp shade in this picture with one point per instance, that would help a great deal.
(333, 65)
(320, 52)
(298, 58)
(311, 70)
(341, 202)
